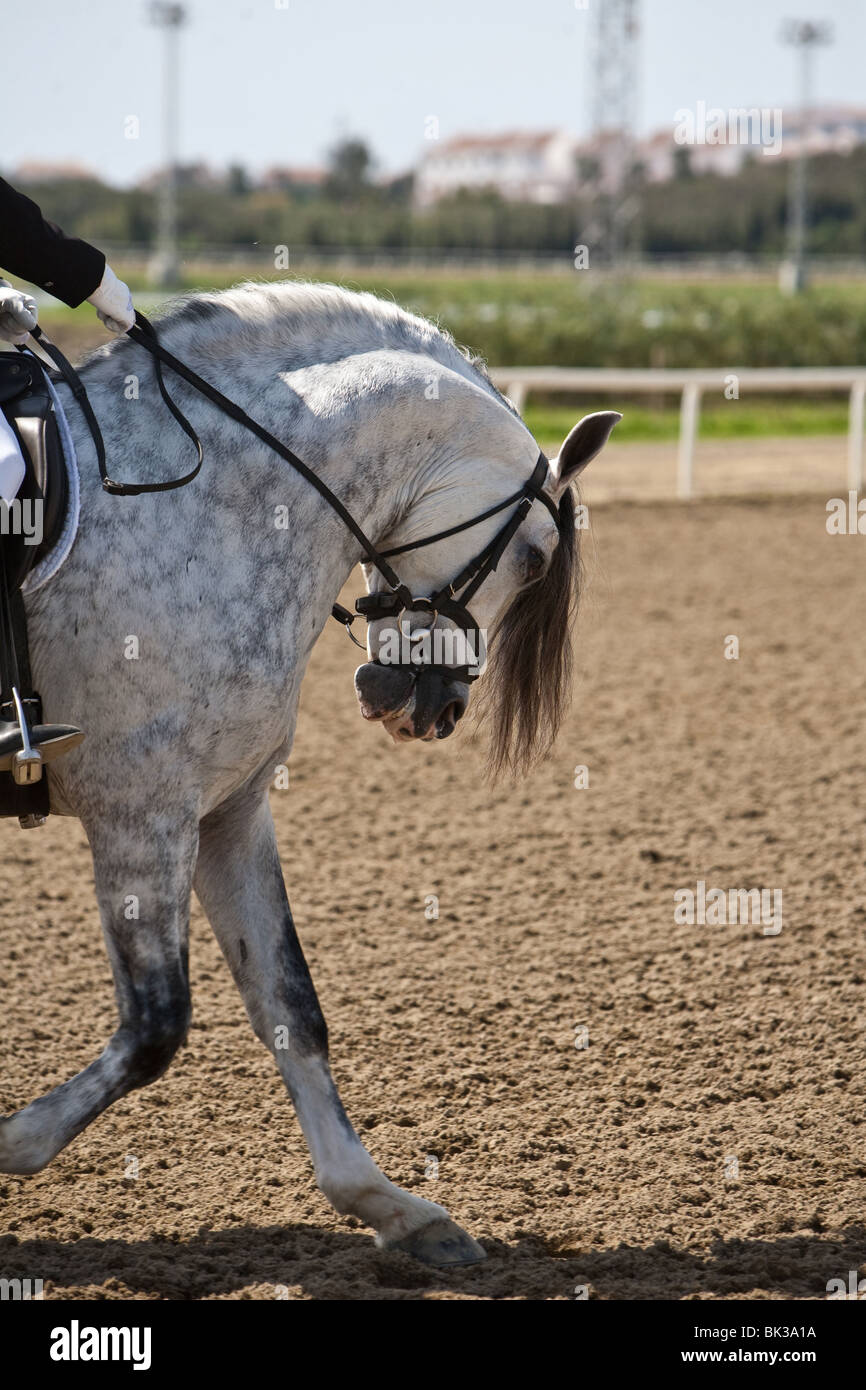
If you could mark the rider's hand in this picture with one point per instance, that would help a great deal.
(17, 313)
(113, 303)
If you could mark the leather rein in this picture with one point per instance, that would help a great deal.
(448, 600)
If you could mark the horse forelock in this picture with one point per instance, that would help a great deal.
(527, 685)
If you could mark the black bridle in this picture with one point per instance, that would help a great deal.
(448, 601)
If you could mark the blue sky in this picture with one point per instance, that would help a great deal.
(266, 84)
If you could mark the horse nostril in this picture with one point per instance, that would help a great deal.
(447, 721)
(382, 690)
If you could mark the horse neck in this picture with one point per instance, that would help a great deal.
(375, 450)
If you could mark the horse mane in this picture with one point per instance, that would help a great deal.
(527, 687)
(302, 323)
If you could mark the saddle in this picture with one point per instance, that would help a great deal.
(29, 527)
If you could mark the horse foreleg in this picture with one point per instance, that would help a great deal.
(143, 884)
(240, 884)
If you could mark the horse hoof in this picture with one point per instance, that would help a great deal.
(440, 1243)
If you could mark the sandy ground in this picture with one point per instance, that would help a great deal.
(708, 1142)
(722, 468)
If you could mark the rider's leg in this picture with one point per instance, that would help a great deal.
(47, 741)
(11, 462)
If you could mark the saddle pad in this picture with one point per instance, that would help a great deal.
(51, 563)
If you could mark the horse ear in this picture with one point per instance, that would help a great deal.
(587, 439)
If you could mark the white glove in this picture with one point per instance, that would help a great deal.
(18, 313)
(113, 303)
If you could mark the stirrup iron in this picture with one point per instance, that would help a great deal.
(27, 762)
(26, 748)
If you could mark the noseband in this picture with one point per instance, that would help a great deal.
(387, 603)
(449, 601)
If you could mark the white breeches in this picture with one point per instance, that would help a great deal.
(11, 462)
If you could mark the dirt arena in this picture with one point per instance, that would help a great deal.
(708, 1142)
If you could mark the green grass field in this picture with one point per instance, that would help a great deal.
(751, 419)
(513, 319)
(575, 319)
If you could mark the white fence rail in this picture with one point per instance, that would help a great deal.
(517, 382)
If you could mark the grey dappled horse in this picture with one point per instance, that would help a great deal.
(225, 605)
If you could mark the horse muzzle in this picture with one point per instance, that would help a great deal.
(412, 704)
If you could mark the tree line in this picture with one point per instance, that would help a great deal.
(689, 215)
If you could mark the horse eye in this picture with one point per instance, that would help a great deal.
(535, 563)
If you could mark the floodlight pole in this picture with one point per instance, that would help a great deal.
(615, 59)
(165, 265)
(803, 35)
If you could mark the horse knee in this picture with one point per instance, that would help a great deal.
(153, 1044)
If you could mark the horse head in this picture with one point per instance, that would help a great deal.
(420, 689)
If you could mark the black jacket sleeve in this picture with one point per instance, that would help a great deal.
(38, 251)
